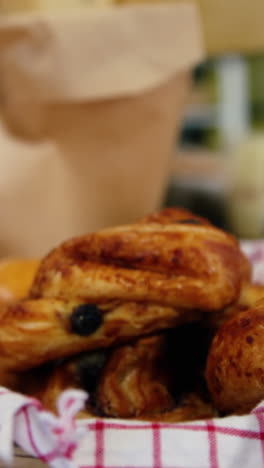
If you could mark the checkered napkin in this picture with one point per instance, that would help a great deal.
(64, 442)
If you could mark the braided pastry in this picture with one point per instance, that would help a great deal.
(126, 382)
(136, 380)
(133, 381)
(235, 365)
(154, 378)
(33, 332)
(174, 261)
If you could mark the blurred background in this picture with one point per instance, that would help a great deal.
(217, 166)
(219, 169)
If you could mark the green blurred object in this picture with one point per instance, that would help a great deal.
(256, 73)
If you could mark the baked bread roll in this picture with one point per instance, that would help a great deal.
(235, 365)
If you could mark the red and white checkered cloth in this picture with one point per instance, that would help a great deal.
(63, 442)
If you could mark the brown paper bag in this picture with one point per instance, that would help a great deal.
(91, 106)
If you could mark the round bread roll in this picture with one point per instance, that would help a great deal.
(235, 365)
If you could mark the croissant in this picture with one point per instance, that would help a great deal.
(235, 364)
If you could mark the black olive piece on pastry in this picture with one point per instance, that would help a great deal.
(34, 332)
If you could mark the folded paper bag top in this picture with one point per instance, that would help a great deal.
(109, 52)
(91, 106)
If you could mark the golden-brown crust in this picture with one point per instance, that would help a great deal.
(246, 269)
(135, 382)
(63, 377)
(235, 365)
(33, 332)
(177, 264)
(192, 407)
(132, 385)
(250, 294)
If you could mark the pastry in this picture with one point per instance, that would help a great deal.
(125, 382)
(103, 289)
(33, 332)
(235, 365)
(250, 294)
(183, 262)
(192, 407)
(134, 381)
(111, 290)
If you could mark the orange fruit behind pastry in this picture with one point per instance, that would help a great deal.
(16, 277)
